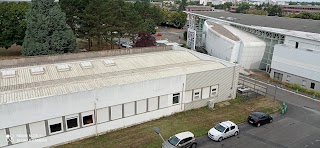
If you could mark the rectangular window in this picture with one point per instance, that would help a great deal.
(297, 44)
(196, 95)
(175, 98)
(304, 82)
(55, 128)
(278, 76)
(87, 120)
(288, 78)
(312, 85)
(72, 123)
(214, 90)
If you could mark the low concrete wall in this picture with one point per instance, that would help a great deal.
(73, 56)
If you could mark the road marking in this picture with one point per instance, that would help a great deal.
(282, 89)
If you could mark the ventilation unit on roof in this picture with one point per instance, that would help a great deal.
(86, 65)
(8, 73)
(109, 62)
(63, 67)
(37, 70)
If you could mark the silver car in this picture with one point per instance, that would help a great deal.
(181, 140)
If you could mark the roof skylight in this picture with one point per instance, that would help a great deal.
(109, 62)
(63, 67)
(37, 70)
(86, 64)
(8, 73)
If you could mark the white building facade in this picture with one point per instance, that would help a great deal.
(51, 104)
(297, 61)
(231, 44)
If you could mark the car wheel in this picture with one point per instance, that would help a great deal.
(236, 134)
(194, 145)
(220, 139)
(258, 125)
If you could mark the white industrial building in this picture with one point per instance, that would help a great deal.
(298, 61)
(234, 45)
(48, 104)
(292, 45)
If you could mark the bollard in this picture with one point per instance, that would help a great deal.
(284, 108)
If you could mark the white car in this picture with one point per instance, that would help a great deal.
(244, 89)
(223, 130)
(181, 140)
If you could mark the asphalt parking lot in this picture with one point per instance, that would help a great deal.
(298, 128)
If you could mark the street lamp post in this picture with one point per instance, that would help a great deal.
(157, 130)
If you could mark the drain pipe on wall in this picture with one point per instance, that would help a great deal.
(95, 116)
(182, 93)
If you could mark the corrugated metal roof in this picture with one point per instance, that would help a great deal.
(127, 69)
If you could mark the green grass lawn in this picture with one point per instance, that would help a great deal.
(198, 121)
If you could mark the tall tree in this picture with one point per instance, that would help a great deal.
(12, 23)
(47, 32)
(182, 5)
(73, 10)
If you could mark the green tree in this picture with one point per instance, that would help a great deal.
(73, 10)
(47, 32)
(182, 5)
(12, 23)
(227, 5)
(242, 7)
(274, 10)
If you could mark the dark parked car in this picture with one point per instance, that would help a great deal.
(259, 118)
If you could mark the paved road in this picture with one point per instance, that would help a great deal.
(298, 128)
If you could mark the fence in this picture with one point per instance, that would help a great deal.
(255, 89)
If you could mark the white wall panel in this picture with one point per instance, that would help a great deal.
(129, 109)
(18, 134)
(116, 112)
(205, 92)
(37, 129)
(152, 103)
(163, 101)
(297, 62)
(187, 96)
(3, 138)
(141, 106)
(103, 115)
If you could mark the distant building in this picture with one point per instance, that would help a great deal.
(292, 45)
(233, 8)
(198, 8)
(299, 9)
(157, 4)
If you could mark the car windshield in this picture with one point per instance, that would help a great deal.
(219, 128)
(174, 140)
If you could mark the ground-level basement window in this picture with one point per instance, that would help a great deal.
(175, 98)
(55, 128)
(87, 120)
(196, 95)
(72, 123)
(214, 90)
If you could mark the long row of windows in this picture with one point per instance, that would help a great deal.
(76, 121)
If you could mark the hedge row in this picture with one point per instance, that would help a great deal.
(302, 89)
